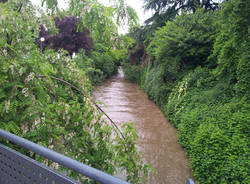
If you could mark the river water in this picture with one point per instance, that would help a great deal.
(157, 138)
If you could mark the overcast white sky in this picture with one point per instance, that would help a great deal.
(136, 4)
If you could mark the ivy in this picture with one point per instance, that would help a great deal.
(197, 71)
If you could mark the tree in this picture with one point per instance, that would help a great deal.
(167, 9)
(101, 21)
(68, 37)
(161, 6)
(185, 42)
(47, 99)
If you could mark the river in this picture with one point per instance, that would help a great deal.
(157, 138)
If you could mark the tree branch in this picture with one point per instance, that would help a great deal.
(97, 106)
(20, 8)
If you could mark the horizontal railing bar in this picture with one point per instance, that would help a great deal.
(81, 168)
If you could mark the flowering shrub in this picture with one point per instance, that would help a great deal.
(45, 98)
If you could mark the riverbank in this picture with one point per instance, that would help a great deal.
(212, 128)
(195, 67)
(157, 141)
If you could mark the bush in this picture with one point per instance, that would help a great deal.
(218, 142)
(213, 127)
(185, 42)
(98, 66)
(46, 98)
(155, 87)
(231, 48)
(104, 62)
(132, 72)
(199, 74)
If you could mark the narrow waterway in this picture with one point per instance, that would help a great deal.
(158, 142)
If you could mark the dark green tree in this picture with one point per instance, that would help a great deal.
(161, 6)
(167, 9)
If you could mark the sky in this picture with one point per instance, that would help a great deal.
(136, 4)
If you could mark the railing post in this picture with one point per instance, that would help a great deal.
(189, 181)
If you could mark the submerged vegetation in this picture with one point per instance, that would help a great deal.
(196, 67)
(45, 90)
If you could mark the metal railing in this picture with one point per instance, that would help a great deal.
(10, 161)
(189, 181)
(17, 168)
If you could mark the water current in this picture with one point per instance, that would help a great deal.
(126, 102)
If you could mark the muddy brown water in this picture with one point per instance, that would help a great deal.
(157, 138)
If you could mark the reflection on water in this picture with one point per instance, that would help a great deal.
(126, 102)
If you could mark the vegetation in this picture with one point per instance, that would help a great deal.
(196, 68)
(45, 95)
(67, 38)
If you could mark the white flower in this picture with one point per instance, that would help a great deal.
(37, 121)
(25, 92)
(42, 39)
(30, 77)
(74, 55)
(12, 69)
(7, 105)
(21, 71)
(58, 56)
(5, 53)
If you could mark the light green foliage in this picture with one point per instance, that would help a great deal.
(199, 75)
(179, 46)
(231, 49)
(132, 72)
(104, 62)
(216, 138)
(101, 64)
(185, 41)
(87, 64)
(38, 101)
(213, 128)
(50, 4)
(155, 86)
(102, 21)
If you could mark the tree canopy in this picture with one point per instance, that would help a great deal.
(46, 96)
(196, 68)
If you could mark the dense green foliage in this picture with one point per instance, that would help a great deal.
(198, 71)
(98, 66)
(46, 98)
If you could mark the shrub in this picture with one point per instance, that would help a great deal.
(218, 149)
(231, 48)
(99, 65)
(38, 102)
(132, 72)
(213, 127)
(104, 62)
(68, 38)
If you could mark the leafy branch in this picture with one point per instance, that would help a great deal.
(82, 93)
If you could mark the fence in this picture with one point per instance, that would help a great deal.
(17, 168)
